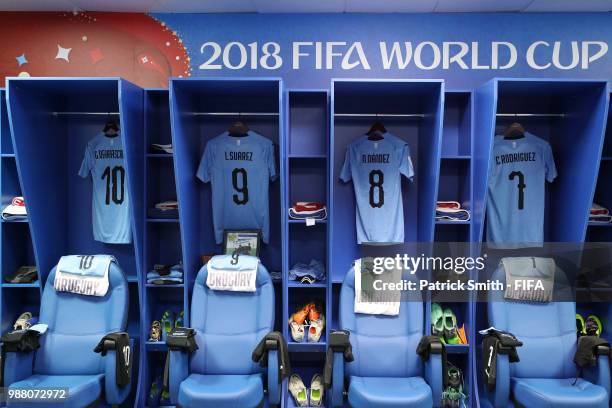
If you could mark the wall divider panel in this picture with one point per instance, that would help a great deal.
(306, 179)
(455, 184)
(571, 115)
(15, 241)
(52, 120)
(161, 238)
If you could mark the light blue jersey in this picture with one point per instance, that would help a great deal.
(376, 168)
(518, 171)
(240, 170)
(110, 201)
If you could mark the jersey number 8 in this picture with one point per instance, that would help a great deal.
(377, 178)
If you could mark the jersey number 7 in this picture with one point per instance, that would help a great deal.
(521, 187)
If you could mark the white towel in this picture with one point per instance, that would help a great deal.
(364, 303)
(83, 275)
(240, 277)
(524, 271)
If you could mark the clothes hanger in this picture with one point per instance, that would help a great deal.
(111, 129)
(238, 129)
(514, 131)
(376, 131)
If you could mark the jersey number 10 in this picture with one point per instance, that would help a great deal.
(115, 184)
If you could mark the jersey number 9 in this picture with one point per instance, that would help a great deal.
(241, 185)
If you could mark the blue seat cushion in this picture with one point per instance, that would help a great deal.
(221, 391)
(558, 393)
(83, 390)
(389, 392)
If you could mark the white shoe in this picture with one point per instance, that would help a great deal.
(316, 329)
(297, 331)
(316, 391)
(298, 390)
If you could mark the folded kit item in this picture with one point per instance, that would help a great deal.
(452, 214)
(165, 274)
(586, 351)
(276, 275)
(448, 204)
(163, 213)
(312, 271)
(495, 342)
(25, 274)
(119, 342)
(273, 341)
(83, 274)
(603, 218)
(20, 341)
(531, 268)
(231, 263)
(167, 205)
(182, 339)
(304, 209)
(316, 215)
(16, 210)
(163, 148)
(597, 209)
(306, 206)
(40, 327)
(234, 274)
(85, 265)
(374, 302)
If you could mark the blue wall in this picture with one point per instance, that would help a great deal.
(521, 30)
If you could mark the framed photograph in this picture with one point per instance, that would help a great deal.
(244, 242)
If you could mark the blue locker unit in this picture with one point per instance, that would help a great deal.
(600, 233)
(571, 115)
(306, 179)
(15, 241)
(52, 119)
(413, 110)
(410, 109)
(200, 110)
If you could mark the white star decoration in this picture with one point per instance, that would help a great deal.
(63, 53)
